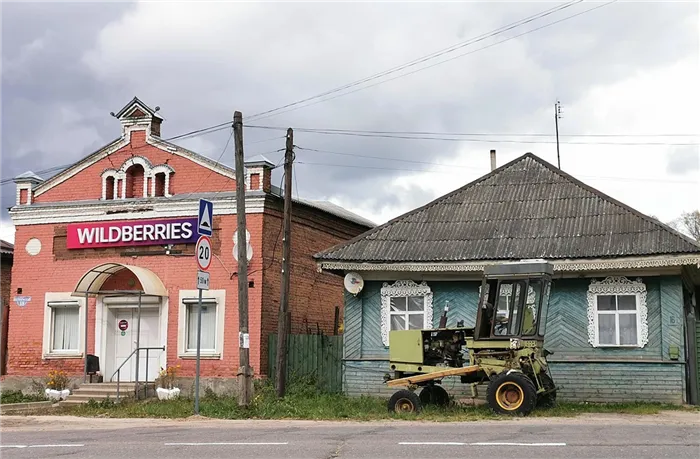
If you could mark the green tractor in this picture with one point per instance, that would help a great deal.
(505, 347)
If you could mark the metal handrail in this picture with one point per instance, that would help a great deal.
(119, 369)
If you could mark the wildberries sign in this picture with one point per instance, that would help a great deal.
(132, 233)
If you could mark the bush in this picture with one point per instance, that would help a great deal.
(16, 396)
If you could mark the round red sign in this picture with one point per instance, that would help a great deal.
(123, 325)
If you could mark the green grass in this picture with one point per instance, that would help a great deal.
(16, 396)
(303, 401)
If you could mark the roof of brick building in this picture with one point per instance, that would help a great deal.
(524, 209)
(6, 247)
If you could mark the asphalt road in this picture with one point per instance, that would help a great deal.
(323, 440)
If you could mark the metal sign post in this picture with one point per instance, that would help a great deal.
(203, 255)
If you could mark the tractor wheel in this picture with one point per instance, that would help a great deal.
(435, 395)
(548, 400)
(511, 393)
(404, 401)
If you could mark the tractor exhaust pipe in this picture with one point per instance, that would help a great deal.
(443, 317)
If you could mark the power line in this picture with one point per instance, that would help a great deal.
(200, 132)
(462, 139)
(424, 58)
(292, 108)
(387, 159)
(471, 133)
(455, 165)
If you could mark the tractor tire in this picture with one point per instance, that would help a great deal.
(511, 393)
(547, 400)
(404, 401)
(434, 395)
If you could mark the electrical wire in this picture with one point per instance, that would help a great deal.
(462, 139)
(678, 182)
(274, 112)
(466, 134)
(425, 58)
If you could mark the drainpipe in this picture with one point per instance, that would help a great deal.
(493, 159)
(87, 297)
(138, 344)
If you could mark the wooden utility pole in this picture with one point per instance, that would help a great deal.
(245, 372)
(557, 116)
(283, 320)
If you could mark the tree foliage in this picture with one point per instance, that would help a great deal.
(688, 223)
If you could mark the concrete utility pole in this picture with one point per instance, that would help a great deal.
(283, 319)
(245, 372)
(557, 117)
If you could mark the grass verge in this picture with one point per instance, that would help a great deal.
(305, 402)
(16, 396)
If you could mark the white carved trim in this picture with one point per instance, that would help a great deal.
(98, 211)
(21, 187)
(405, 288)
(140, 160)
(618, 285)
(559, 265)
(251, 171)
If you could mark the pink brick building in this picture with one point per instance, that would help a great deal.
(152, 187)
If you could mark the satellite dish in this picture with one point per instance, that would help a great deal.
(354, 283)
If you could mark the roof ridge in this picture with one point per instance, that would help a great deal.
(426, 206)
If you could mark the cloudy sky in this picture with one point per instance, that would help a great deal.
(625, 69)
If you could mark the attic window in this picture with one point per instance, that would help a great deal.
(109, 188)
(159, 185)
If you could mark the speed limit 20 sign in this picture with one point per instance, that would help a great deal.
(203, 252)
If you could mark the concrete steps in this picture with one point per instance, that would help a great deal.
(104, 391)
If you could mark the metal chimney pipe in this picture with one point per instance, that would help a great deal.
(493, 159)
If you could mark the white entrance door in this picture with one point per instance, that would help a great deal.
(125, 326)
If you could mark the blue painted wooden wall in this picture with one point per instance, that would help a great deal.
(584, 372)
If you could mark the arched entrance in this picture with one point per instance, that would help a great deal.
(130, 320)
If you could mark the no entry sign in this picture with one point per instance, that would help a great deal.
(123, 325)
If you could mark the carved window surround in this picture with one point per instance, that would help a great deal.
(618, 285)
(149, 172)
(404, 288)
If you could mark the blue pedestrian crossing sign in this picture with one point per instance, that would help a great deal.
(205, 218)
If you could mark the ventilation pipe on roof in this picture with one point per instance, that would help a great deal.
(493, 159)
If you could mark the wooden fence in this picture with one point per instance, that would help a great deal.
(316, 356)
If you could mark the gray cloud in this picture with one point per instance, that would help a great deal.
(684, 160)
(62, 72)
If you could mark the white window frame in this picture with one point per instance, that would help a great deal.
(188, 297)
(618, 285)
(62, 297)
(404, 288)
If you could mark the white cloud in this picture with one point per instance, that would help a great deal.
(7, 231)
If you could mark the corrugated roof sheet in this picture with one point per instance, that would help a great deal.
(524, 209)
(6, 247)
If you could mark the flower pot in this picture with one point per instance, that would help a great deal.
(167, 394)
(57, 395)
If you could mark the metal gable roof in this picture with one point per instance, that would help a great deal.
(524, 209)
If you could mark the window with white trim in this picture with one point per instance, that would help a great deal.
(208, 337)
(406, 305)
(64, 326)
(617, 313)
(213, 313)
